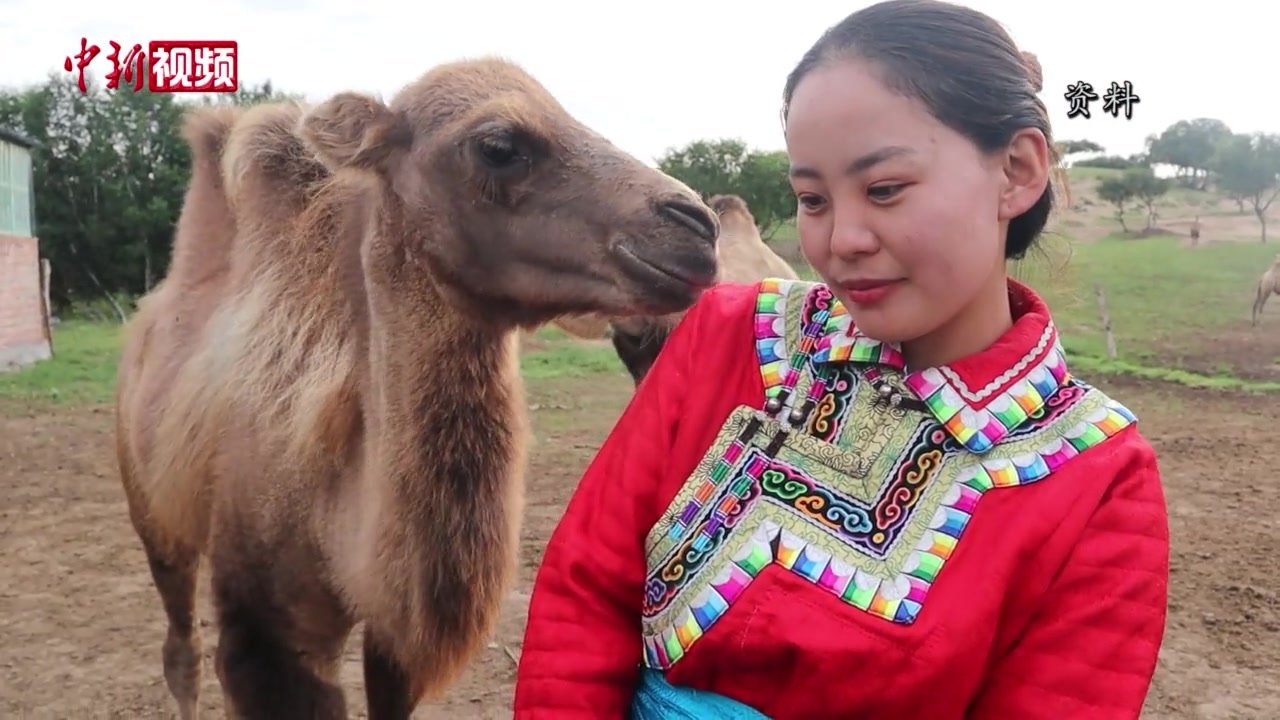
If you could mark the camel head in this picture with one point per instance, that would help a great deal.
(741, 256)
(517, 206)
(726, 204)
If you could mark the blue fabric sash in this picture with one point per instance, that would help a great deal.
(657, 699)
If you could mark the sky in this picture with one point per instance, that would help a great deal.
(657, 75)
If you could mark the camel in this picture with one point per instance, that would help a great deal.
(1268, 285)
(743, 257)
(322, 397)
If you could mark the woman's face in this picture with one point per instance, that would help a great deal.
(903, 217)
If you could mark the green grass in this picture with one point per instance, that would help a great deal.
(82, 369)
(1082, 172)
(1165, 300)
(563, 356)
(1085, 365)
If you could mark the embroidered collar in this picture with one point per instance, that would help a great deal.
(979, 399)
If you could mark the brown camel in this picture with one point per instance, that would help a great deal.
(323, 395)
(743, 257)
(1268, 285)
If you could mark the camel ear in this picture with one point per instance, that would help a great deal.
(351, 130)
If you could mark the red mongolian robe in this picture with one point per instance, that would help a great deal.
(982, 540)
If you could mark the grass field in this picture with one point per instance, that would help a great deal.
(1178, 313)
(83, 368)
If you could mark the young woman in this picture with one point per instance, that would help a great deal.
(884, 495)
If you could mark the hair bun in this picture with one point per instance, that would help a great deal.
(1034, 74)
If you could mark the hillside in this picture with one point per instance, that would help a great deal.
(1179, 312)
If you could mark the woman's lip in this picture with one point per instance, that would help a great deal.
(868, 292)
(866, 284)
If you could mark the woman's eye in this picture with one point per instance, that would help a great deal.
(883, 192)
(810, 202)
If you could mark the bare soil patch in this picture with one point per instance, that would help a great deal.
(82, 626)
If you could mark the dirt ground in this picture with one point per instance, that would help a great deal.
(81, 626)
(1237, 350)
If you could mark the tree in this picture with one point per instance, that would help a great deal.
(708, 166)
(1248, 166)
(1118, 191)
(110, 172)
(1146, 188)
(714, 167)
(764, 185)
(1111, 162)
(250, 94)
(1069, 147)
(1188, 145)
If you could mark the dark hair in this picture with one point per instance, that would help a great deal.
(961, 64)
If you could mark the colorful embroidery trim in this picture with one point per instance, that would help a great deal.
(871, 526)
(835, 344)
(768, 512)
(978, 425)
(819, 303)
(901, 597)
(980, 428)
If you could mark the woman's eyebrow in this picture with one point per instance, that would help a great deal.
(860, 164)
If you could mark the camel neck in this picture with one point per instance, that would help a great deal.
(441, 382)
(438, 409)
(442, 454)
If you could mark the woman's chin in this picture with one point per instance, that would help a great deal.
(887, 327)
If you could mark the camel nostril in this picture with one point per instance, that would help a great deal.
(696, 218)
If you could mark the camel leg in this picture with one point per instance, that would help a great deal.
(174, 574)
(263, 677)
(174, 567)
(385, 682)
(639, 352)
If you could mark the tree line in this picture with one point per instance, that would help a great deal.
(1206, 155)
(111, 170)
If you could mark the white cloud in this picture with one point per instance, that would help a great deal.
(660, 74)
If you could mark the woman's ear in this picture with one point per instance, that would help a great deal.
(1026, 172)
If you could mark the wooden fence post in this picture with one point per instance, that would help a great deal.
(46, 306)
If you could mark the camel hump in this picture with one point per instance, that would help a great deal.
(206, 129)
(730, 203)
(266, 168)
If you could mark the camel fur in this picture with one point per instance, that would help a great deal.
(1268, 285)
(322, 397)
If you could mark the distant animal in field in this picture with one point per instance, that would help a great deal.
(1268, 285)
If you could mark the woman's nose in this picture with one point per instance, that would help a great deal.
(851, 236)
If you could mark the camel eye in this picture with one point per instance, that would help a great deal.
(500, 153)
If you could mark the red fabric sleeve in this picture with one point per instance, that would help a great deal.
(1090, 650)
(582, 645)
